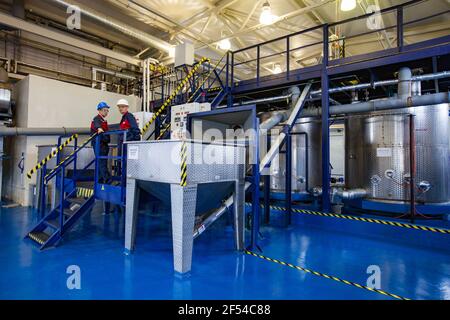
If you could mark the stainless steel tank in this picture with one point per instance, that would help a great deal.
(378, 151)
(306, 158)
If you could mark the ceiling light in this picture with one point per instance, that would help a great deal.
(277, 68)
(225, 44)
(348, 5)
(266, 18)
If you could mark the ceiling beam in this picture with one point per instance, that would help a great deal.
(278, 19)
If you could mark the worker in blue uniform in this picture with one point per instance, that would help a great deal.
(100, 125)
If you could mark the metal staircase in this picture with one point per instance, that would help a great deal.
(77, 191)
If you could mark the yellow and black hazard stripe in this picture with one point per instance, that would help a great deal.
(163, 132)
(51, 156)
(207, 77)
(214, 89)
(323, 275)
(184, 157)
(84, 144)
(173, 95)
(159, 68)
(369, 220)
(84, 192)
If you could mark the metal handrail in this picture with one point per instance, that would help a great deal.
(69, 159)
(399, 25)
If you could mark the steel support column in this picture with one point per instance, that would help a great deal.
(326, 174)
(288, 188)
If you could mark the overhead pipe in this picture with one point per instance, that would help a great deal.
(135, 33)
(111, 73)
(379, 105)
(376, 84)
(12, 132)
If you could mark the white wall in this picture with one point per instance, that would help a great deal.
(47, 103)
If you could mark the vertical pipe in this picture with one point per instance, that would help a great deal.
(288, 175)
(412, 165)
(400, 28)
(326, 202)
(144, 86)
(435, 70)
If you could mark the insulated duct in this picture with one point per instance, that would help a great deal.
(376, 84)
(135, 33)
(379, 105)
(10, 132)
(278, 117)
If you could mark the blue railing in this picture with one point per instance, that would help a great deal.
(252, 58)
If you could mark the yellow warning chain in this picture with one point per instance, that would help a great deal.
(377, 221)
(84, 192)
(183, 154)
(84, 144)
(173, 95)
(323, 275)
(51, 156)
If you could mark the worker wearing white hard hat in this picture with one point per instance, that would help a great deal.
(128, 122)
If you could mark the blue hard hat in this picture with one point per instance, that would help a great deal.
(102, 105)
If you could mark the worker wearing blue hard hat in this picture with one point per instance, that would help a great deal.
(100, 125)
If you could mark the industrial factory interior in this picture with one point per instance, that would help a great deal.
(225, 150)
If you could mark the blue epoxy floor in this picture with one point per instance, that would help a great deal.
(96, 246)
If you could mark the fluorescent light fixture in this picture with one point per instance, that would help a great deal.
(267, 18)
(225, 44)
(348, 5)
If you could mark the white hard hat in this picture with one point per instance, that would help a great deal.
(123, 102)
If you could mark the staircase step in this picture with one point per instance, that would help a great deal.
(69, 212)
(39, 237)
(79, 201)
(54, 223)
(84, 192)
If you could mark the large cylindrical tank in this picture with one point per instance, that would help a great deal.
(306, 158)
(378, 151)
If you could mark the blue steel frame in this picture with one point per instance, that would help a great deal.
(323, 71)
(256, 177)
(105, 192)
